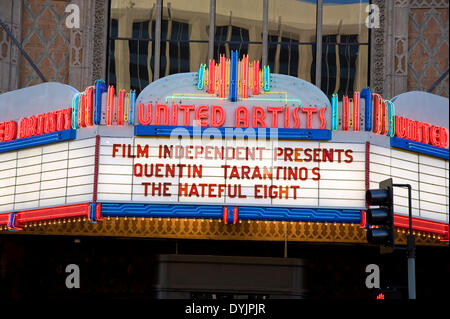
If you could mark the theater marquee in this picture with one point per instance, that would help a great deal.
(200, 145)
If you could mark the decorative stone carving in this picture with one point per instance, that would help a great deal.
(378, 43)
(401, 3)
(99, 50)
(400, 55)
(429, 4)
(46, 39)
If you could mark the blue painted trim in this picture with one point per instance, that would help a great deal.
(419, 147)
(100, 88)
(161, 211)
(92, 211)
(283, 133)
(230, 215)
(38, 140)
(233, 76)
(245, 212)
(366, 94)
(132, 107)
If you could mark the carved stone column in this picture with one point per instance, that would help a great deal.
(81, 47)
(377, 51)
(397, 15)
(99, 16)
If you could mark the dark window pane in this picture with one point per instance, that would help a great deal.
(346, 22)
(175, 57)
(339, 65)
(231, 38)
(288, 56)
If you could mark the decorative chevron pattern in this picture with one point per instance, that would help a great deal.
(428, 4)
(47, 40)
(428, 47)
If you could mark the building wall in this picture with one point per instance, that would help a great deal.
(47, 41)
(409, 51)
(428, 48)
(61, 54)
(415, 46)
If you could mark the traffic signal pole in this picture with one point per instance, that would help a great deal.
(411, 248)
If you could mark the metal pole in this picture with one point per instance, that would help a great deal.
(265, 39)
(159, 5)
(411, 253)
(22, 50)
(411, 247)
(212, 28)
(319, 42)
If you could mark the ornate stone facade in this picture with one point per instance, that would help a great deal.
(408, 52)
(428, 48)
(416, 46)
(47, 41)
(76, 56)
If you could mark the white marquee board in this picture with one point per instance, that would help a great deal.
(62, 173)
(51, 175)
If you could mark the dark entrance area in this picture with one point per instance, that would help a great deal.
(34, 267)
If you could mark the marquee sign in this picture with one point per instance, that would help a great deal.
(230, 139)
(231, 172)
(218, 116)
(36, 125)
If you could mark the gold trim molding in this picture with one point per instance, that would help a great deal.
(214, 229)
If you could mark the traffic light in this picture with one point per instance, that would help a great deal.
(382, 216)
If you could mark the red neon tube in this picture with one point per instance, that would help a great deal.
(222, 76)
(82, 112)
(120, 107)
(377, 113)
(384, 118)
(256, 78)
(245, 77)
(356, 111)
(110, 106)
(89, 105)
(345, 117)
